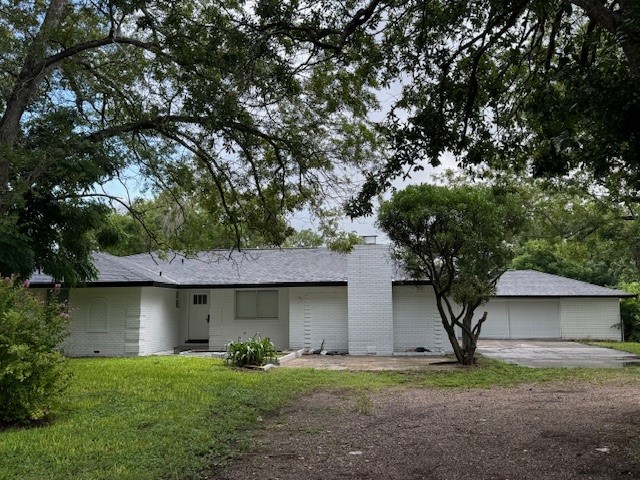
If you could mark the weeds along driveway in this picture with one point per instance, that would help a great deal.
(369, 363)
(543, 353)
(527, 353)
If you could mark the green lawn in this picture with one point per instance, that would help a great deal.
(172, 417)
(631, 347)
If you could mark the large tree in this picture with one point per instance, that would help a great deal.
(247, 106)
(579, 235)
(166, 224)
(575, 227)
(535, 86)
(459, 239)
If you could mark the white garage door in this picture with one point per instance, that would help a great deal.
(497, 323)
(522, 319)
(534, 318)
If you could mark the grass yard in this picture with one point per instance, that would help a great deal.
(631, 347)
(172, 417)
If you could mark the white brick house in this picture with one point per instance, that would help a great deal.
(355, 303)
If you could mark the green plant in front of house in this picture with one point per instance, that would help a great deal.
(254, 352)
(32, 370)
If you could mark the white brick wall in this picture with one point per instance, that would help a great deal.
(183, 314)
(317, 314)
(370, 301)
(104, 322)
(592, 318)
(416, 321)
(224, 327)
(159, 320)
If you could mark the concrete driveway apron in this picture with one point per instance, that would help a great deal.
(532, 353)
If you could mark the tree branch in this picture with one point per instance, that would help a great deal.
(597, 11)
(97, 43)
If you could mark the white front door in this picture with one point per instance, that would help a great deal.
(199, 315)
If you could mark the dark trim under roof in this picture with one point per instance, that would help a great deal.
(524, 297)
(533, 295)
(263, 285)
(416, 283)
(104, 284)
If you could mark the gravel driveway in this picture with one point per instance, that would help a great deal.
(552, 431)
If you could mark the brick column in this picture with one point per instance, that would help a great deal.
(370, 301)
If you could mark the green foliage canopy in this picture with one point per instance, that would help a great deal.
(247, 107)
(532, 86)
(630, 312)
(577, 233)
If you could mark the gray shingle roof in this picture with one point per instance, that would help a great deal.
(112, 270)
(295, 266)
(250, 267)
(529, 283)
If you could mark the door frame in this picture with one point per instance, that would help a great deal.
(190, 315)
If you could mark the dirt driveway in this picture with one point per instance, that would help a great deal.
(552, 431)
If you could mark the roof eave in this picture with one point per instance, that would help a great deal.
(149, 283)
(566, 296)
(328, 283)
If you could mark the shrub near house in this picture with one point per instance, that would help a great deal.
(254, 352)
(630, 312)
(32, 370)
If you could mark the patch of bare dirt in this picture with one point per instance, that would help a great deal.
(567, 431)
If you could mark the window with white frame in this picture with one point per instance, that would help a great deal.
(251, 304)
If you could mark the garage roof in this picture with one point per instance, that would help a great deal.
(529, 283)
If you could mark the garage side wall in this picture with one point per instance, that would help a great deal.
(104, 322)
(590, 318)
(225, 327)
(416, 322)
(317, 315)
(159, 320)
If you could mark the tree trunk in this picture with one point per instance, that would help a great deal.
(465, 354)
(449, 328)
(31, 74)
(24, 91)
(468, 343)
(621, 22)
(453, 340)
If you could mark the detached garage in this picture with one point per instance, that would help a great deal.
(530, 305)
